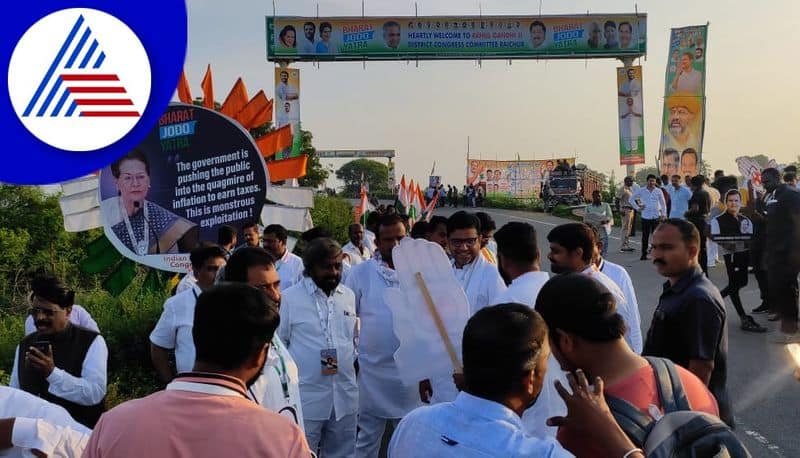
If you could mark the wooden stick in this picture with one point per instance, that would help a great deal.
(437, 319)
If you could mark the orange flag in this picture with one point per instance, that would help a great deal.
(208, 89)
(236, 99)
(184, 94)
(256, 112)
(287, 169)
(275, 141)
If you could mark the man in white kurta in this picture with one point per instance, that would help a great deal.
(382, 396)
(289, 265)
(318, 321)
(480, 280)
(278, 387)
(40, 425)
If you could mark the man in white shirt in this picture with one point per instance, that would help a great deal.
(518, 256)
(679, 196)
(369, 232)
(617, 274)
(278, 387)
(505, 355)
(480, 280)
(35, 424)
(284, 91)
(79, 317)
(650, 202)
(382, 396)
(572, 249)
(318, 321)
(173, 332)
(60, 362)
(356, 249)
(289, 265)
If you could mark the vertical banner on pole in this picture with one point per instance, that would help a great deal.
(631, 115)
(681, 149)
(287, 102)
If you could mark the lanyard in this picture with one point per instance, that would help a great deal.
(283, 374)
(324, 322)
(140, 248)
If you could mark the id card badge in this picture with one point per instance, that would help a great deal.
(329, 361)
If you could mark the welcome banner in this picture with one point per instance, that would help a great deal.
(458, 37)
(681, 149)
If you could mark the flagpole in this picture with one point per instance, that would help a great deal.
(467, 174)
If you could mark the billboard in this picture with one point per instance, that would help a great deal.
(456, 37)
(681, 147)
(512, 178)
(194, 172)
(287, 102)
(631, 115)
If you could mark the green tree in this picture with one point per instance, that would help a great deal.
(375, 174)
(641, 175)
(316, 174)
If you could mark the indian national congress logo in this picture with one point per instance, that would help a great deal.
(79, 79)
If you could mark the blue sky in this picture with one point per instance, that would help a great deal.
(539, 109)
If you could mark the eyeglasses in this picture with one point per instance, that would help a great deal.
(33, 311)
(464, 242)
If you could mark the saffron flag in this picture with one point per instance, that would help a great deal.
(294, 167)
(364, 207)
(208, 89)
(184, 94)
(256, 112)
(402, 196)
(275, 141)
(236, 99)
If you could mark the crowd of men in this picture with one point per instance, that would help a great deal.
(277, 354)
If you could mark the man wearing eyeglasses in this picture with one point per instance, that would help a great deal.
(480, 279)
(61, 362)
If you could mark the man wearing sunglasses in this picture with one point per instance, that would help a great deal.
(61, 362)
(480, 279)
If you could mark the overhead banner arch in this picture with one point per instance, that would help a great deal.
(456, 37)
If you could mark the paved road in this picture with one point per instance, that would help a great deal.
(765, 394)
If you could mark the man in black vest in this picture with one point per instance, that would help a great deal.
(61, 362)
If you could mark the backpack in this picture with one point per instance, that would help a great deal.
(681, 432)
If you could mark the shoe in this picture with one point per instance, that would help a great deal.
(750, 325)
(763, 308)
(785, 339)
(627, 249)
(773, 317)
(643, 258)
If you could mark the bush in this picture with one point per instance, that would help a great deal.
(334, 214)
(514, 203)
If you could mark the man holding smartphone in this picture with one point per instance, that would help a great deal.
(61, 362)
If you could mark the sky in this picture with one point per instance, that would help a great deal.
(537, 109)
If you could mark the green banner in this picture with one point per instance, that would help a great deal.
(456, 37)
(681, 149)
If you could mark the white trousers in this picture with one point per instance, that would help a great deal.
(331, 438)
(370, 434)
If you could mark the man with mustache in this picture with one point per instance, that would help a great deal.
(690, 325)
(682, 128)
(307, 45)
(207, 413)
(277, 388)
(318, 322)
(61, 362)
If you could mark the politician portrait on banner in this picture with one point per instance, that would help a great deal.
(683, 121)
(195, 171)
(631, 115)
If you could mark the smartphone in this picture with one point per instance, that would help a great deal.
(42, 345)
